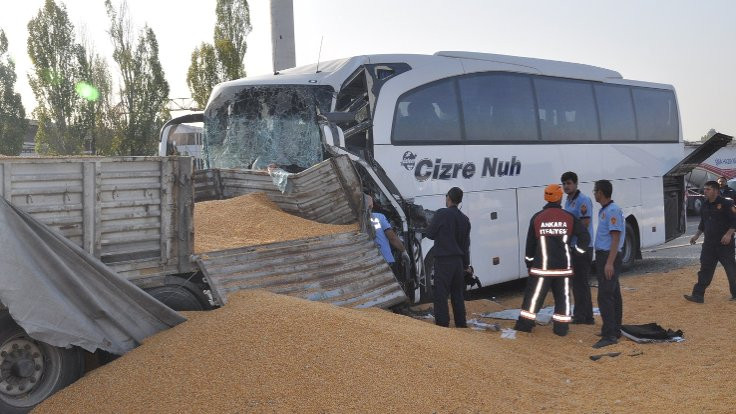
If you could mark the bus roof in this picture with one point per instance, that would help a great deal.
(335, 72)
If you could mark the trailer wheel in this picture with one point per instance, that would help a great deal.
(176, 297)
(30, 370)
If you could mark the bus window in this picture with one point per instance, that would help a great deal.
(498, 107)
(656, 115)
(566, 110)
(428, 113)
(616, 112)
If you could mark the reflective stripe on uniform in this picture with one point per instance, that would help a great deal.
(529, 259)
(561, 318)
(544, 252)
(567, 297)
(581, 251)
(527, 315)
(535, 296)
(543, 272)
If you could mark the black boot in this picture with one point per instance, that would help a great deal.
(524, 325)
(560, 328)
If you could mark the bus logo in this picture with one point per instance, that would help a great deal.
(427, 169)
(408, 160)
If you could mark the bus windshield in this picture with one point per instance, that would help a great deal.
(256, 126)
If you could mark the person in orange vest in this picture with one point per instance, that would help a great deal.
(549, 253)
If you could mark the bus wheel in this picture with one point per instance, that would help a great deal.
(176, 297)
(427, 291)
(30, 371)
(628, 255)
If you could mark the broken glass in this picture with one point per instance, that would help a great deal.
(254, 127)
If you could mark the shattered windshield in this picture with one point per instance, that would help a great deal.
(260, 125)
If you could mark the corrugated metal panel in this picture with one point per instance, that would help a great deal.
(345, 269)
(329, 192)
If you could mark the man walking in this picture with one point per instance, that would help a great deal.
(609, 241)
(581, 207)
(718, 222)
(549, 251)
(450, 230)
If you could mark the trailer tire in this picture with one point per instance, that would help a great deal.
(54, 369)
(176, 297)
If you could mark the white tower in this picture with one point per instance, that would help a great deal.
(282, 34)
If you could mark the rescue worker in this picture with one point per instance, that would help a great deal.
(725, 190)
(385, 236)
(549, 252)
(581, 207)
(718, 222)
(609, 241)
(450, 230)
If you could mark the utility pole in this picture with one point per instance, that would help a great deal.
(282, 34)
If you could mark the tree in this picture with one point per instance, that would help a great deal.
(57, 59)
(99, 119)
(202, 75)
(143, 89)
(13, 122)
(223, 61)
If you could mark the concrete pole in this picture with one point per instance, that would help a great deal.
(282, 34)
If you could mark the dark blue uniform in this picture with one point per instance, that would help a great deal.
(581, 207)
(715, 220)
(450, 230)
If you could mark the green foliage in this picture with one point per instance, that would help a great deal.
(12, 114)
(143, 91)
(223, 61)
(231, 29)
(202, 73)
(59, 63)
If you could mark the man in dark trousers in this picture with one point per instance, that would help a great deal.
(609, 241)
(581, 207)
(549, 252)
(450, 230)
(718, 222)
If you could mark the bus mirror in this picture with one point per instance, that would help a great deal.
(333, 135)
(340, 117)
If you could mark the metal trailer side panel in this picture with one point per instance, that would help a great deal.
(123, 210)
(329, 192)
(344, 269)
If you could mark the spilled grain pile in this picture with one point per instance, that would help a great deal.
(249, 220)
(270, 353)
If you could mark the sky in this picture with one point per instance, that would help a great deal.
(684, 43)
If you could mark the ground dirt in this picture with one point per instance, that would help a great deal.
(268, 353)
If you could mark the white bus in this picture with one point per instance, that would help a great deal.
(499, 127)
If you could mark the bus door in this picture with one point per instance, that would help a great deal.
(674, 184)
(494, 234)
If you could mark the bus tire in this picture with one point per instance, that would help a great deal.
(176, 297)
(427, 291)
(32, 370)
(628, 253)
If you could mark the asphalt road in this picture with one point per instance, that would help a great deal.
(672, 255)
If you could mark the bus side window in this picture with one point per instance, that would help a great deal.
(428, 113)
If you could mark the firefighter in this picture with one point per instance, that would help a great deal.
(718, 222)
(549, 252)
